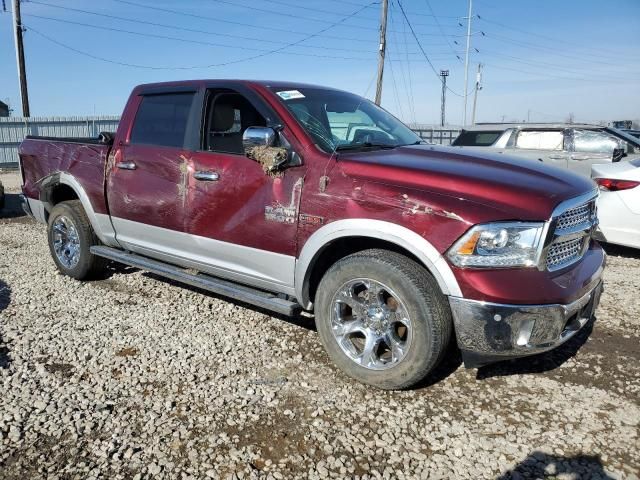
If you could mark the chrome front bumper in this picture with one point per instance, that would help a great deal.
(490, 332)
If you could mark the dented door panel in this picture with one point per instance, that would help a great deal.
(152, 193)
(245, 206)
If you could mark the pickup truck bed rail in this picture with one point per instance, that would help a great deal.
(105, 138)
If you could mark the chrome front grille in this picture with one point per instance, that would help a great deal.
(564, 252)
(572, 223)
(576, 217)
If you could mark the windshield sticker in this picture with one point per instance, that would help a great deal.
(290, 94)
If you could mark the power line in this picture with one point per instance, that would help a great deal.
(550, 75)
(330, 12)
(422, 49)
(406, 51)
(262, 27)
(242, 24)
(287, 14)
(419, 14)
(395, 91)
(186, 40)
(407, 88)
(253, 57)
(549, 50)
(442, 32)
(546, 65)
(466, 65)
(526, 32)
(193, 30)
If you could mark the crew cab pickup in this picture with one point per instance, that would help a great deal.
(295, 197)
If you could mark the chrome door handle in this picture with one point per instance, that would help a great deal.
(126, 165)
(557, 157)
(207, 176)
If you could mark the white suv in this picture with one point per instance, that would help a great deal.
(576, 147)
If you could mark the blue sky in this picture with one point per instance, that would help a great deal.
(542, 59)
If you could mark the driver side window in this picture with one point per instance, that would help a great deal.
(228, 115)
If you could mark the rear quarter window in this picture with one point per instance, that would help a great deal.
(162, 120)
(477, 139)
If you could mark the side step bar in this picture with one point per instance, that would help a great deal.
(216, 285)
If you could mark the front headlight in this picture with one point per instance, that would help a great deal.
(499, 245)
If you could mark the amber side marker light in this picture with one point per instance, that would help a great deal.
(470, 245)
(614, 185)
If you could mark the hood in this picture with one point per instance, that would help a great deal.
(521, 189)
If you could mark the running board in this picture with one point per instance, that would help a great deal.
(216, 285)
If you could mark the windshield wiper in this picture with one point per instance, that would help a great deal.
(357, 146)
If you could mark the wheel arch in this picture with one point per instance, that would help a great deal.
(62, 186)
(351, 235)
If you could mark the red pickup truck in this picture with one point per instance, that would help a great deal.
(291, 196)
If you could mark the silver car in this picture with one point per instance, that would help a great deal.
(573, 146)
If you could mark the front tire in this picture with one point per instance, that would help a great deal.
(382, 318)
(70, 240)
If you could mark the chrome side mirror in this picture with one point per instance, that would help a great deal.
(258, 137)
(259, 144)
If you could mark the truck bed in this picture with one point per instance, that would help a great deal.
(83, 159)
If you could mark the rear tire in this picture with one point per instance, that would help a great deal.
(382, 319)
(70, 239)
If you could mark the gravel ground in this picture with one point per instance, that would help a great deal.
(133, 376)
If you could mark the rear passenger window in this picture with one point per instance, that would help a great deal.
(540, 140)
(477, 139)
(162, 120)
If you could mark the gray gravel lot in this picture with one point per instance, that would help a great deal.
(133, 376)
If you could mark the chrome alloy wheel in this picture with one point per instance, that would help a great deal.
(66, 242)
(371, 324)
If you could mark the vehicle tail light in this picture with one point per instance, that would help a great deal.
(614, 185)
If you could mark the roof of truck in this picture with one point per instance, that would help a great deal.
(264, 83)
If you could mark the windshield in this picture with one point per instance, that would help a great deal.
(344, 121)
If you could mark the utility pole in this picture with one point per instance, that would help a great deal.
(22, 74)
(466, 64)
(475, 93)
(444, 74)
(381, 50)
